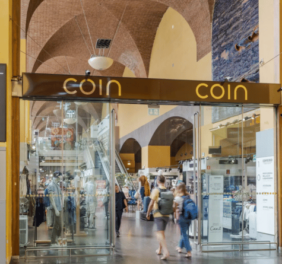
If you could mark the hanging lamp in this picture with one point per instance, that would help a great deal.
(100, 63)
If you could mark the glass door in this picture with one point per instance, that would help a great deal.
(235, 156)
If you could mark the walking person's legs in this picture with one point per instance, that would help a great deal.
(161, 223)
(118, 221)
(180, 244)
(184, 240)
(142, 193)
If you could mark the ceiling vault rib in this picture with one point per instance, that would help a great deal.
(82, 35)
(87, 26)
(43, 63)
(68, 65)
(117, 28)
(34, 42)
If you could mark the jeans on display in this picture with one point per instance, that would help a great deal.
(57, 227)
(118, 219)
(142, 193)
(184, 236)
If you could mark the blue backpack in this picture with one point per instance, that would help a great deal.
(190, 209)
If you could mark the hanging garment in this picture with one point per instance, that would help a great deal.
(31, 207)
(23, 186)
(69, 210)
(28, 191)
(39, 216)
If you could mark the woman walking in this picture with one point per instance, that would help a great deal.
(181, 194)
(144, 187)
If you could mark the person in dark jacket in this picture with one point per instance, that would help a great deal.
(121, 203)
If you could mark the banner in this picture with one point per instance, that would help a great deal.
(265, 197)
(215, 231)
(62, 136)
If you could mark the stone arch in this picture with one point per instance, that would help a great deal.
(131, 148)
(182, 146)
(145, 133)
(169, 130)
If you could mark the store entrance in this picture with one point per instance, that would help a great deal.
(226, 158)
(78, 151)
(233, 178)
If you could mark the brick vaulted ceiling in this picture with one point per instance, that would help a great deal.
(55, 44)
(53, 36)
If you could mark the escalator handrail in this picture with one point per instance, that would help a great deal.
(121, 166)
(100, 149)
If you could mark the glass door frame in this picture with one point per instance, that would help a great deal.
(67, 251)
(197, 157)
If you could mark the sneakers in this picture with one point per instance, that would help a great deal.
(118, 234)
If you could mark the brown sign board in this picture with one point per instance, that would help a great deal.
(120, 89)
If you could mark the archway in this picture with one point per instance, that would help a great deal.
(170, 136)
(131, 155)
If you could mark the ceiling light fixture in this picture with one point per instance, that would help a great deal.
(100, 63)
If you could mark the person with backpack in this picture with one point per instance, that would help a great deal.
(162, 203)
(186, 210)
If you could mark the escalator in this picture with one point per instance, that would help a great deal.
(102, 163)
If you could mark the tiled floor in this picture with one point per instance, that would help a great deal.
(137, 245)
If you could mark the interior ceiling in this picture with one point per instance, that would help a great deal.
(55, 44)
(44, 113)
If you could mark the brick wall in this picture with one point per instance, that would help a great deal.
(233, 22)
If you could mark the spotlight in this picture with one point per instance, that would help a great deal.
(169, 169)
(87, 73)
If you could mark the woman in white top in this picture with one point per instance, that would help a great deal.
(181, 194)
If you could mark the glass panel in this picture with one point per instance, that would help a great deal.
(259, 182)
(221, 177)
(65, 178)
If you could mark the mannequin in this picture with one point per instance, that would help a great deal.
(91, 201)
(77, 180)
(55, 196)
(77, 186)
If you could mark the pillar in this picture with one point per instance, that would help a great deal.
(156, 156)
(6, 58)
